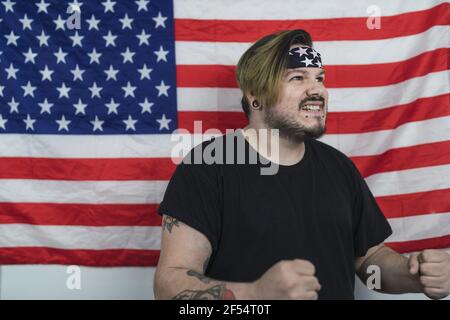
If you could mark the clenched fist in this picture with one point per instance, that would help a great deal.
(292, 279)
(433, 267)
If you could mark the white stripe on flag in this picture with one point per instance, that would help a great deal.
(94, 192)
(292, 9)
(80, 237)
(333, 52)
(419, 227)
(409, 181)
(378, 142)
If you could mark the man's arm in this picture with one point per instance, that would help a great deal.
(184, 257)
(426, 272)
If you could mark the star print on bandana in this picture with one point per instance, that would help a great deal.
(304, 57)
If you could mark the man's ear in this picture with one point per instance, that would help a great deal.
(250, 97)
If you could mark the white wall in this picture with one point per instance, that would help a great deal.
(49, 282)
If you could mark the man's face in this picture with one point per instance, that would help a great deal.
(301, 110)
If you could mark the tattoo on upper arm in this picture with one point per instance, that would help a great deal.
(199, 276)
(217, 292)
(169, 222)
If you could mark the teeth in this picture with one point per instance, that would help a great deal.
(311, 107)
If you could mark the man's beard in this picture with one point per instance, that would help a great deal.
(290, 129)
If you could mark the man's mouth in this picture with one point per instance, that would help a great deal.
(313, 109)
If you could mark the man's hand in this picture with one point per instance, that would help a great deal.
(433, 267)
(293, 279)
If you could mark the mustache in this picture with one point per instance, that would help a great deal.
(311, 99)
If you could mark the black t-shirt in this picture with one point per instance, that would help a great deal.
(319, 210)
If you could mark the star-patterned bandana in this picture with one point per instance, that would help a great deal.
(302, 57)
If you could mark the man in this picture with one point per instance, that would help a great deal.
(230, 232)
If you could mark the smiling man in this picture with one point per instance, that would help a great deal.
(230, 232)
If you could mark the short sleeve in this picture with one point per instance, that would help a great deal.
(193, 197)
(370, 225)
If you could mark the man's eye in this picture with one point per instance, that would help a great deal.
(297, 78)
(320, 79)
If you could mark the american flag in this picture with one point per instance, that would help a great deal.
(87, 112)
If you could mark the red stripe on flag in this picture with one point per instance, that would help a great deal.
(413, 204)
(418, 156)
(87, 169)
(419, 245)
(332, 29)
(338, 76)
(97, 258)
(93, 215)
(212, 120)
(388, 118)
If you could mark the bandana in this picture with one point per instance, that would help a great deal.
(301, 57)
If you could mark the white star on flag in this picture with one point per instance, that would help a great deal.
(162, 89)
(142, 5)
(112, 106)
(126, 22)
(143, 38)
(146, 106)
(109, 5)
(127, 56)
(111, 73)
(129, 90)
(130, 122)
(145, 72)
(95, 90)
(14, 106)
(97, 124)
(3, 122)
(12, 38)
(28, 90)
(93, 23)
(95, 57)
(80, 107)
(30, 56)
(43, 39)
(76, 39)
(63, 123)
(46, 73)
(26, 23)
(29, 122)
(77, 73)
(60, 23)
(45, 106)
(42, 6)
(160, 21)
(60, 56)
(11, 72)
(164, 122)
(110, 38)
(8, 5)
(161, 54)
(63, 91)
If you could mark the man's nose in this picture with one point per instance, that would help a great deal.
(315, 88)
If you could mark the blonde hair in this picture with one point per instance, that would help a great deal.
(260, 69)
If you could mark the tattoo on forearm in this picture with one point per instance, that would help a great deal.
(169, 222)
(217, 292)
(199, 276)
